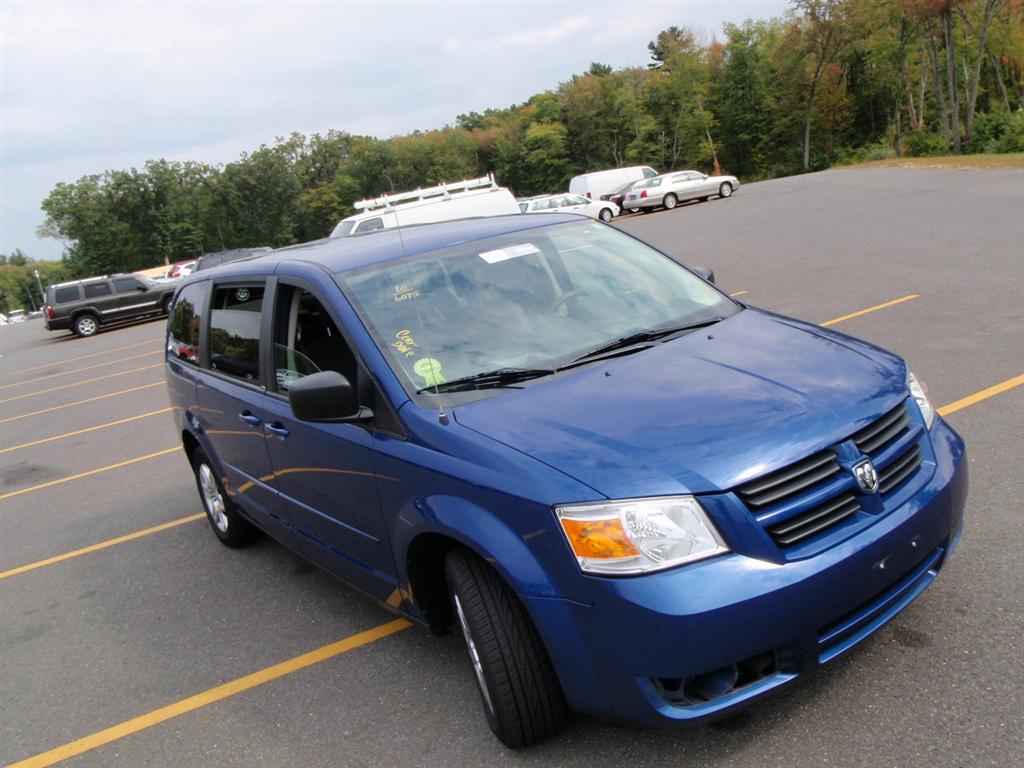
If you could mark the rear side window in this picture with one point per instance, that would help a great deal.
(126, 284)
(183, 339)
(650, 173)
(65, 294)
(235, 331)
(370, 225)
(94, 290)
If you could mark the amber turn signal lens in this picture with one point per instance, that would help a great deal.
(598, 538)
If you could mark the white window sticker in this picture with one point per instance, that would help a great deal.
(512, 252)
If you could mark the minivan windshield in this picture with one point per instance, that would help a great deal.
(532, 301)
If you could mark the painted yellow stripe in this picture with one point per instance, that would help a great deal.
(869, 310)
(101, 545)
(977, 397)
(86, 429)
(81, 402)
(80, 370)
(23, 371)
(80, 383)
(739, 293)
(90, 473)
(192, 703)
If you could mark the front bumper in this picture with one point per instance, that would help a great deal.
(621, 656)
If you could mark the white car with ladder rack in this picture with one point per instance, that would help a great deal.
(458, 200)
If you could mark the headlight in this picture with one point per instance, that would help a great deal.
(920, 394)
(639, 535)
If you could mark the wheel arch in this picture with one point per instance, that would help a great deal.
(451, 523)
(91, 311)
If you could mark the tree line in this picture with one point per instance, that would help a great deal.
(830, 81)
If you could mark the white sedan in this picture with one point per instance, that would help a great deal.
(568, 203)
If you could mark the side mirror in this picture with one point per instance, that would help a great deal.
(706, 272)
(325, 396)
(141, 288)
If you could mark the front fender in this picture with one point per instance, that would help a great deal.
(481, 531)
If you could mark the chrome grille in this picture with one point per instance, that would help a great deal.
(811, 496)
(882, 432)
(899, 470)
(789, 481)
(801, 526)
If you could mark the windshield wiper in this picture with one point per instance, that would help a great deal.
(634, 339)
(501, 377)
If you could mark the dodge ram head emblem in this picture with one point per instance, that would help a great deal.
(866, 476)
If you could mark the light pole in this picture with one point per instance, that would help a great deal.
(41, 291)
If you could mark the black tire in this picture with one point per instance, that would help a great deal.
(725, 190)
(231, 528)
(522, 699)
(605, 215)
(167, 304)
(670, 201)
(86, 325)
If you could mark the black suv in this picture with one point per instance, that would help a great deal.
(83, 306)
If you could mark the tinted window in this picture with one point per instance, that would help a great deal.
(92, 290)
(235, 331)
(67, 293)
(183, 339)
(126, 284)
(370, 225)
(650, 173)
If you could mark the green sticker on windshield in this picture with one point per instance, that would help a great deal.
(430, 370)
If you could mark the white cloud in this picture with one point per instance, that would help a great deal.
(548, 35)
(89, 86)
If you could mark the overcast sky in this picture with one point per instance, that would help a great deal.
(86, 87)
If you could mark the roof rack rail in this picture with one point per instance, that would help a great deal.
(441, 190)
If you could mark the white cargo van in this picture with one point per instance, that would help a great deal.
(593, 185)
(458, 200)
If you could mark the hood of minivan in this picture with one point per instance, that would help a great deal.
(700, 413)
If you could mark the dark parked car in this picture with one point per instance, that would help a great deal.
(619, 196)
(211, 260)
(633, 495)
(83, 306)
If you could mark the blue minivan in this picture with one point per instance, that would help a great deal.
(633, 495)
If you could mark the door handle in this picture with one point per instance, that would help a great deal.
(249, 418)
(277, 428)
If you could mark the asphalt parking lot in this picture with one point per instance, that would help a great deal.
(167, 649)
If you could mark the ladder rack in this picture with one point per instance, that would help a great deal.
(443, 191)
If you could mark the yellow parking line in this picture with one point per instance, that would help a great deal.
(224, 691)
(23, 371)
(739, 293)
(977, 397)
(869, 310)
(89, 473)
(81, 402)
(80, 383)
(79, 370)
(101, 545)
(86, 429)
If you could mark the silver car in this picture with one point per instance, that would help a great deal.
(670, 189)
